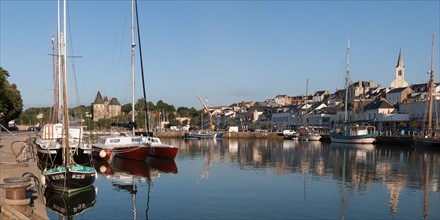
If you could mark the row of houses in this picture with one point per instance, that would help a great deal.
(390, 109)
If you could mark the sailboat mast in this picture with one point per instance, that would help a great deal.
(147, 120)
(347, 75)
(431, 87)
(64, 74)
(59, 58)
(55, 83)
(132, 65)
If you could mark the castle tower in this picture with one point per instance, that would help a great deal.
(98, 107)
(400, 73)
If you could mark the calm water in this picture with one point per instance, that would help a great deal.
(265, 179)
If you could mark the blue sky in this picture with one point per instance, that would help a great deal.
(225, 51)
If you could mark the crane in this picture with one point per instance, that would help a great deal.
(207, 111)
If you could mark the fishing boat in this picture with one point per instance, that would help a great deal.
(68, 176)
(353, 133)
(129, 146)
(430, 137)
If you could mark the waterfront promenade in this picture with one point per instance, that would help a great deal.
(10, 166)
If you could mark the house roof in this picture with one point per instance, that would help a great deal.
(98, 99)
(329, 110)
(114, 101)
(377, 104)
(398, 90)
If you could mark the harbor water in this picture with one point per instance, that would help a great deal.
(262, 179)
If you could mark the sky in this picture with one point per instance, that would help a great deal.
(224, 51)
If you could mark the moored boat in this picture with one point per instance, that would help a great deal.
(431, 137)
(191, 135)
(355, 135)
(49, 149)
(159, 149)
(129, 147)
(290, 134)
(68, 176)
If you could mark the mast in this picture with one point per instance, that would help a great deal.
(55, 83)
(431, 87)
(59, 58)
(347, 75)
(147, 121)
(132, 65)
(64, 81)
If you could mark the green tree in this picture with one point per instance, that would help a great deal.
(11, 103)
(126, 109)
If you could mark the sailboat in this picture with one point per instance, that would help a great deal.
(127, 146)
(309, 133)
(68, 176)
(355, 133)
(155, 146)
(204, 134)
(430, 139)
(49, 149)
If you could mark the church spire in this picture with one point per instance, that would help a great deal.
(399, 81)
(400, 60)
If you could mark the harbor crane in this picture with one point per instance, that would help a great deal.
(211, 124)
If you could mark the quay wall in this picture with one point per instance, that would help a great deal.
(244, 135)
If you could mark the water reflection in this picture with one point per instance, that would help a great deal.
(126, 175)
(354, 168)
(68, 205)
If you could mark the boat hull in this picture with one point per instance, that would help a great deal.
(69, 179)
(427, 142)
(132, 152)
(358, 139)
(163, 151)
(309, 137)
(101, 153)
(198, 136)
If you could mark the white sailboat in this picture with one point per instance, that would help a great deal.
(127, 146)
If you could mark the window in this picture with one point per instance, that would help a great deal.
(400, 73)
(114, 141)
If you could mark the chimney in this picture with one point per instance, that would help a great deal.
(371, 84)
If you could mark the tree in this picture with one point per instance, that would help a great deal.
(11, 103)
(126, 109)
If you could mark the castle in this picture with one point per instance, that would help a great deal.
(103, 108)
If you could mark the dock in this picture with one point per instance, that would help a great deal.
(12, 166)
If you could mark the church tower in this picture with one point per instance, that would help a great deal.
(400, 73)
